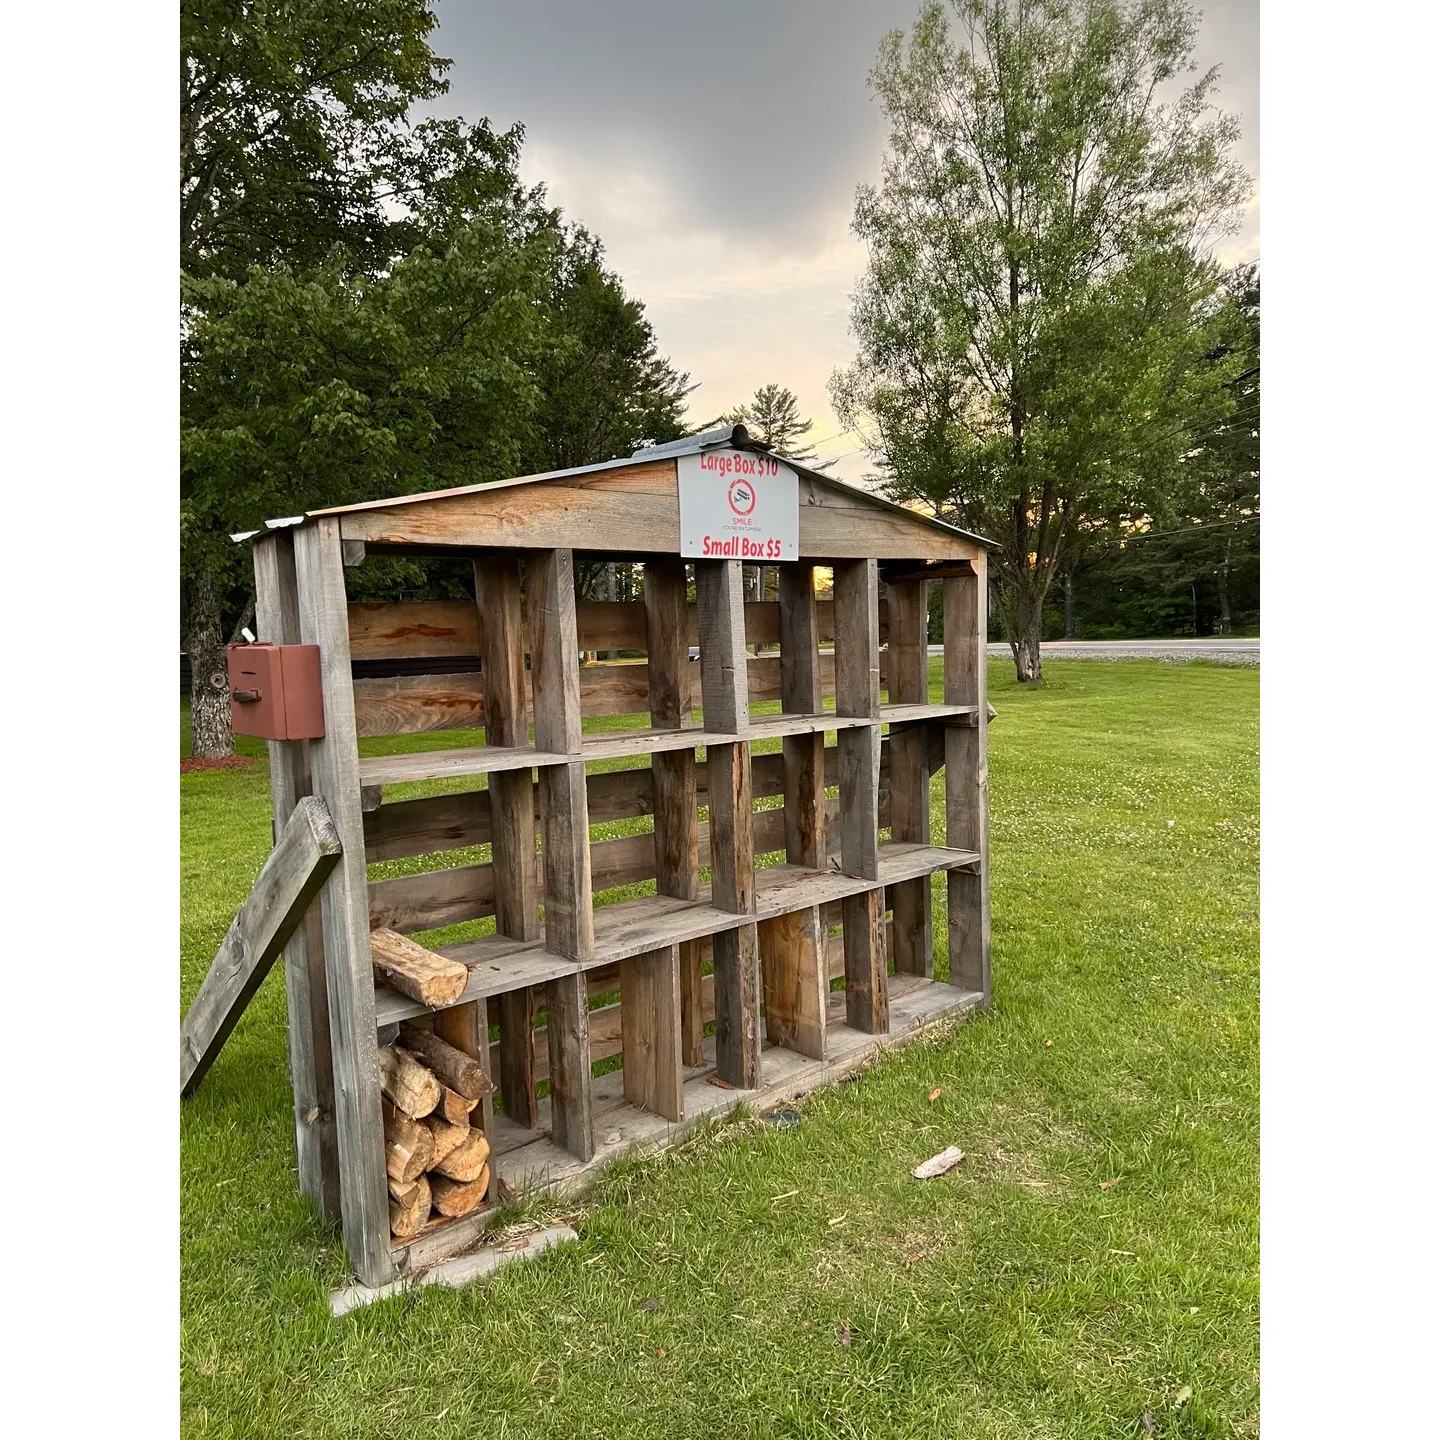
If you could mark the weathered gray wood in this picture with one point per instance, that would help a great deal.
(909, 683)
(568, 1031)
(304, 855)
(650, 1030)
(857, 693)
(804, 754)
(677, 831)
(724, 688)
(867, 1003)
(312, 1082)
(692, 1002)
(792, 958)
(673, 790)
(516, 879)
(732, 855)
(555, 649)
(335, 774)
(967, 805)
(569, 921)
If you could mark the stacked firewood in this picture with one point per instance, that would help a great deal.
(435, 1160)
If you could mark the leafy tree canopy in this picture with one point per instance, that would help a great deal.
(1039, 321)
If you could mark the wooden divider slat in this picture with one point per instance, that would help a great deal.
(910, 772)
(426, 629)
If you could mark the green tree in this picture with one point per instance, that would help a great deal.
(1039, 313)
(772, 416)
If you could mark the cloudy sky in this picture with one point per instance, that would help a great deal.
(715, 147)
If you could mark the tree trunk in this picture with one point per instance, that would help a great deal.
(1026, 648)
(209, 681)
(1069, 604)
(608, 592)
(1225, 590)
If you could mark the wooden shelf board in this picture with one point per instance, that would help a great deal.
(616, 745)
(651, 922)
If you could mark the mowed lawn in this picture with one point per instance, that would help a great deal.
(1090, 1268)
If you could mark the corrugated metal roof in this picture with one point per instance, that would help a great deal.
(734, 435)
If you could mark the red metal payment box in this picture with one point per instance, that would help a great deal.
(275, 691)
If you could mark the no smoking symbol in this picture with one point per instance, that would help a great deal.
(741, 496)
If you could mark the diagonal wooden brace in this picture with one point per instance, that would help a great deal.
(304, 855)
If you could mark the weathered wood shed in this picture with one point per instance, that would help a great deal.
(786, 946)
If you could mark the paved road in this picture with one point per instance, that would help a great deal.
(1231, 651)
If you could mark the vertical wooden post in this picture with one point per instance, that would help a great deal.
(909, 683)
(569, 919)
(857, 693)
(725, 689)
(345, 910)
(792, 947)
(555, 677)
(677, 828)
(312, 1084)
(512, 815)
(650, 1031)
(967, 781)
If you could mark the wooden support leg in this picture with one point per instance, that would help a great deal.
(650, 1031)
(792, 956)
(909, 683)
(517, 1056)
(569, 917)
(692, 1004)
(568, 1027)
(737, 1007)
(967, 808)
(345, 909)
(867, 1003)
(910, 820)
(312, 1080)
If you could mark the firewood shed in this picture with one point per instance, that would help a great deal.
(787, 929)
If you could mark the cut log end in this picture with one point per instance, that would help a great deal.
(454, 1107)
(448, 1138)
(466, 1160)
(407, 1218)
(409, 1146)
(415, 971)
(454, 1198)
(410, 1086)
(461, 1072)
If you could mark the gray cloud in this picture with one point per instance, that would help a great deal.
(716, 147)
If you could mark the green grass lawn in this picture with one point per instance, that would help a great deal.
(1090, 1269)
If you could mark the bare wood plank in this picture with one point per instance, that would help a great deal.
(909, 683)
(568, 1031)
(792, 958)
(335, 774)
(650, 1021)
(867, 1005)
(692, 1002)
(803, 763)
(722, 645)
(432, 898)
(517, 1056)
(312, 1081)
(512, 808)
(289, 880)
(412, 630)
(544, 515)
(554, 651)
(732, 856)
(967, 783)
(423, 826)
(677, 844)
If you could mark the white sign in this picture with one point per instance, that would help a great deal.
(736, 505)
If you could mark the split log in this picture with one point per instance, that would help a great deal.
(402, 1192)
(409, 1146)
(467, 1159)
(448, 1138)
(454, 1107)
(407, 1220)
(461, 1072)
(415, 971)
(454, 1199)
(407, 1082)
